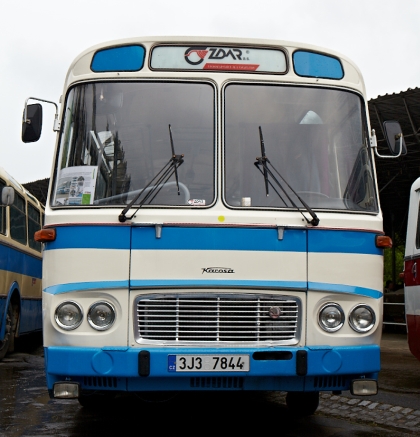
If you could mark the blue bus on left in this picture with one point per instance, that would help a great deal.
(21, 215)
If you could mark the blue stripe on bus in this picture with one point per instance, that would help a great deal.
(91, 237)
(16, 261)
(339, 241)
(194, 283)
(342, 288)
(80, 286)
(214, 238)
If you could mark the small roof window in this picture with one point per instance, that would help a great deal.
(311, 64)
(123, 58)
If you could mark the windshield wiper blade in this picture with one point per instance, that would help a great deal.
(263, 161)
(156, 184)
(174, 156)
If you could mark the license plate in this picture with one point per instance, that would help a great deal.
(208, 363)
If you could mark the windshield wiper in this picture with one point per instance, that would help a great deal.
(264, 159)
(157, 183)
(173, 156)
(263, 162)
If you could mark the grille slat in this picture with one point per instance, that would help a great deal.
(222, 318)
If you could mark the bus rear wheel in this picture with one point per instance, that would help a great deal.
(5, 343)
(302, 403)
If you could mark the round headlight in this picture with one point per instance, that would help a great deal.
(69, 315)
(101, 316)
(362, 318)
(331, 317)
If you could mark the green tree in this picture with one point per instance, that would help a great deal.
(399, 263)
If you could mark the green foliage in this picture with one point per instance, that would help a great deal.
(399, 263)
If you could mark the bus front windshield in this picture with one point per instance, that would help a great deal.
(118, 136)
(314, 139)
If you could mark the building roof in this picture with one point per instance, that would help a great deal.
(39, 189)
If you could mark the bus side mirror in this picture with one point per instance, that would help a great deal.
(7, 196)
(395, 138)
(32, 123)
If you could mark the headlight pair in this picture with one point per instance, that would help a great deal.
(361, 318)
(69, 315)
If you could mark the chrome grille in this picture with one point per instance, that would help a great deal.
(217, 318)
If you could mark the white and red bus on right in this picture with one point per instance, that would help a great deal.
(412, 271)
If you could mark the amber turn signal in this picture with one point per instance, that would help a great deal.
(45, 235)
(383, 241)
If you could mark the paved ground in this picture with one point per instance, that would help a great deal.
(400, 375)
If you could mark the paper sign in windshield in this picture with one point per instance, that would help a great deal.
(76, 186)
(235, 59)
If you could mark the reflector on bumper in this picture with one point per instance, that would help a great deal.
(66, 390)
(364, 387)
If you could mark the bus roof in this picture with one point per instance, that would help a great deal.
(11, 181)
(138, 54)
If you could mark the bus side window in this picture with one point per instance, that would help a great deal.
(18, 220)
(34, 224)
(418, 230)
(2, 212)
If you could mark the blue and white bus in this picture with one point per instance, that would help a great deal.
(213, 222)
(21, 215)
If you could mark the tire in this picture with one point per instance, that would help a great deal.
(302, 403)
(6, 342)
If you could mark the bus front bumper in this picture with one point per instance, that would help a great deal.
(151, 369)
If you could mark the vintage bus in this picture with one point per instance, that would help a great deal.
(213, 222)
(21, 215)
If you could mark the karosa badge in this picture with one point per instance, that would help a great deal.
(217, 270)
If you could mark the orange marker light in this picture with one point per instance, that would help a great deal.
(45, 235)
(383, 241)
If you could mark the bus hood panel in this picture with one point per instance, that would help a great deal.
(219, 257)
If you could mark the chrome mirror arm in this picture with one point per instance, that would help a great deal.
(56, 126)
(374, 145)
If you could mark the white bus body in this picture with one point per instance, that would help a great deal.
(229, 282)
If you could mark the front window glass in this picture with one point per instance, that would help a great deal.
(313, 137)
(117, 138)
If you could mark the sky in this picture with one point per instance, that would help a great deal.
(39, 40)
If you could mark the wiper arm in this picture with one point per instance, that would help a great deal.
(263, 162)
(173, 156)
(264, 159)
(156, 183)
